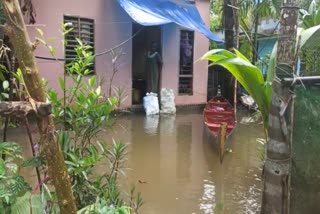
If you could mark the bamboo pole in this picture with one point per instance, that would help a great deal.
(237, 30)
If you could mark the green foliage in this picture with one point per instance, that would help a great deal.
(81, 162)
(308, 44)
(215, 18)
(83, 110)
(28, 203)
(82, 113)
(310, 17)
(248, 75)
(102, 207)
(246, 48)
(219, 206)
(120, 94)
(249, 10)
(12, 185)
(216, 9)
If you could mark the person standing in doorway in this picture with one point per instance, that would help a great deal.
(153, 68)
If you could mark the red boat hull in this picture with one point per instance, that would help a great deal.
(217, 111)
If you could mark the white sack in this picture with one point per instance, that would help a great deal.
(167, 101)
(151, 104)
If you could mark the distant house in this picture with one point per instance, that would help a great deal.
(267, 37)
(268, 30)
(131, 26)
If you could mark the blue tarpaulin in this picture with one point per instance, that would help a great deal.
(158, 12)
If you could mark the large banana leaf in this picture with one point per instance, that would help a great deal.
(248, 75)
(310, 38)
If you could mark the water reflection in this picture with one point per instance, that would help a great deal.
(179, 165)
(151, 123)
(207, 202)
(181, 168)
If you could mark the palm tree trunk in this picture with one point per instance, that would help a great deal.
(275, 197)
(228, 25)
(16, 31)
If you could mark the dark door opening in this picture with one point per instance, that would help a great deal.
(217, 76)
(140, 45)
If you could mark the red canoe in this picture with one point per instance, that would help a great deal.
(218, 111)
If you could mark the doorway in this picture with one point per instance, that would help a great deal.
(217, 76)
(140, 45)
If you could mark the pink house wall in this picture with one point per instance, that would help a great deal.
(171, 54)
(113, 26)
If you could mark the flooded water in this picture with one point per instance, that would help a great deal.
(178, 166)
(175, 165)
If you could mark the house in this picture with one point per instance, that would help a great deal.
(131, 26)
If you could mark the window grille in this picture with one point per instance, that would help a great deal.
(83, 29)
(186, 62)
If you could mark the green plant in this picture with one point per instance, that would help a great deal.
(308, 39)
(12, 184)
(15, 195)
(82, 110)
(310, 17)
(103, 207)
(87, 185)
(248, 75)
(120, 94)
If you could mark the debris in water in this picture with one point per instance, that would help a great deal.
(142, 182)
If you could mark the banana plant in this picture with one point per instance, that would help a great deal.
(248, 75)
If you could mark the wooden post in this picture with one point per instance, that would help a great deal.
(222, 134)
(17, 33)
(237, 42)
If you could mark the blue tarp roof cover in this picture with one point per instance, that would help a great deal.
(158, 12)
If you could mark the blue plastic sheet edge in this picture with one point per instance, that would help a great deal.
(159, 12)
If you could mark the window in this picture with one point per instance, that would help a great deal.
(186, 62)
(83, 29)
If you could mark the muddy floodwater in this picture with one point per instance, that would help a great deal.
(175, 165)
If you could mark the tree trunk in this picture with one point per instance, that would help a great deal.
(21, 109)
(275, 197)
(16, 31)
(228, 25)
